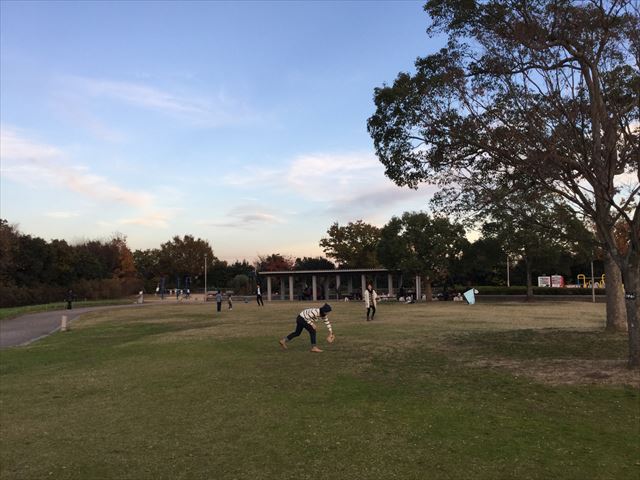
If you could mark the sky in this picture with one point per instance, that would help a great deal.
(241, 123)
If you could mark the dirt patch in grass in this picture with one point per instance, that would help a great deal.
(566, 371)
(549, 356)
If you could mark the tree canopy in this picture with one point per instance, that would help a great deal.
(352, 245)
(418, 243)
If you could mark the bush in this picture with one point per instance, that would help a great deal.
(13, 296)
(108, 289)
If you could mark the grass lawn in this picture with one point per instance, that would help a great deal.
(438, 391)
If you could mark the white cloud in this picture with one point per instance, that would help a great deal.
(29, 162)
(352, 185)
(349, 185)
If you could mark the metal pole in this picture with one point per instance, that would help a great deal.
(508, 281)
(593, 284)
(205, 277)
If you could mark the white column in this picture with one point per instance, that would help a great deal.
(314, 288)
(281, 288)
(363, 284)
(291, 288)
(350, 284)
(326, 288)
(338, 287)
(418, 291)
(390, 282)
(268, 288)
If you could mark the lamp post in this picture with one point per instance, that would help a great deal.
(508, 282)
(205, 277)
(593, 284)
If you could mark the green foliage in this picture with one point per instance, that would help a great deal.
(483, 262)
(184, 256)
(352, 245)
(421, 244)
(34, 271)
(241, 284)
(315, 263)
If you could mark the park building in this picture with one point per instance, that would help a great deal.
(336, 284)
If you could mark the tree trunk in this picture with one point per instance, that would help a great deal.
(631, 278)
(529, 282)
(616, 310)
(428, 292)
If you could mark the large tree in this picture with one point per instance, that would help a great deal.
(420, 244)
(546, 91)
(274, 262)
(352, 245)
(182, 257)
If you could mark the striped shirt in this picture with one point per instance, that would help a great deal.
(312, 315)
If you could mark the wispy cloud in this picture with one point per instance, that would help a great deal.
(30, 162)
(150, 219)
(247, 217)
(348, 185)
(219, 109)
(61, 215)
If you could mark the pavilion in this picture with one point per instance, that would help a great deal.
(324, 278)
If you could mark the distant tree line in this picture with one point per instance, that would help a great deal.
(34, 271)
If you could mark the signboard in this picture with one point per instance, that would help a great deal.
(544, 281)
(557, 281)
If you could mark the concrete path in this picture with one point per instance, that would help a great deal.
(29, 328)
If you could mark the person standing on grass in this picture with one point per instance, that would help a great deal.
(307, 320)
(69, 298)
(370, 301)
(219, 300)
(259, 296)
(230, 301)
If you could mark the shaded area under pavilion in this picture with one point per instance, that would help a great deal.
(332, 284)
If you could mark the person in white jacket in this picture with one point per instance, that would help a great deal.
(370, 301)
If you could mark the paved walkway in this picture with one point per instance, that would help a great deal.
(31, 327)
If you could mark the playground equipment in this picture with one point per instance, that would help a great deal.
(586, 283)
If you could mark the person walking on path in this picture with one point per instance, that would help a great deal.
(219, 300)
(259, 296)
(307, 320)
(370, 301)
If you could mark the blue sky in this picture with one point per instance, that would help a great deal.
(242, 123)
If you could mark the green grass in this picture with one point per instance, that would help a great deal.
(12, 312)
(181, 392)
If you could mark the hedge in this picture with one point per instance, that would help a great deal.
(522, 290)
